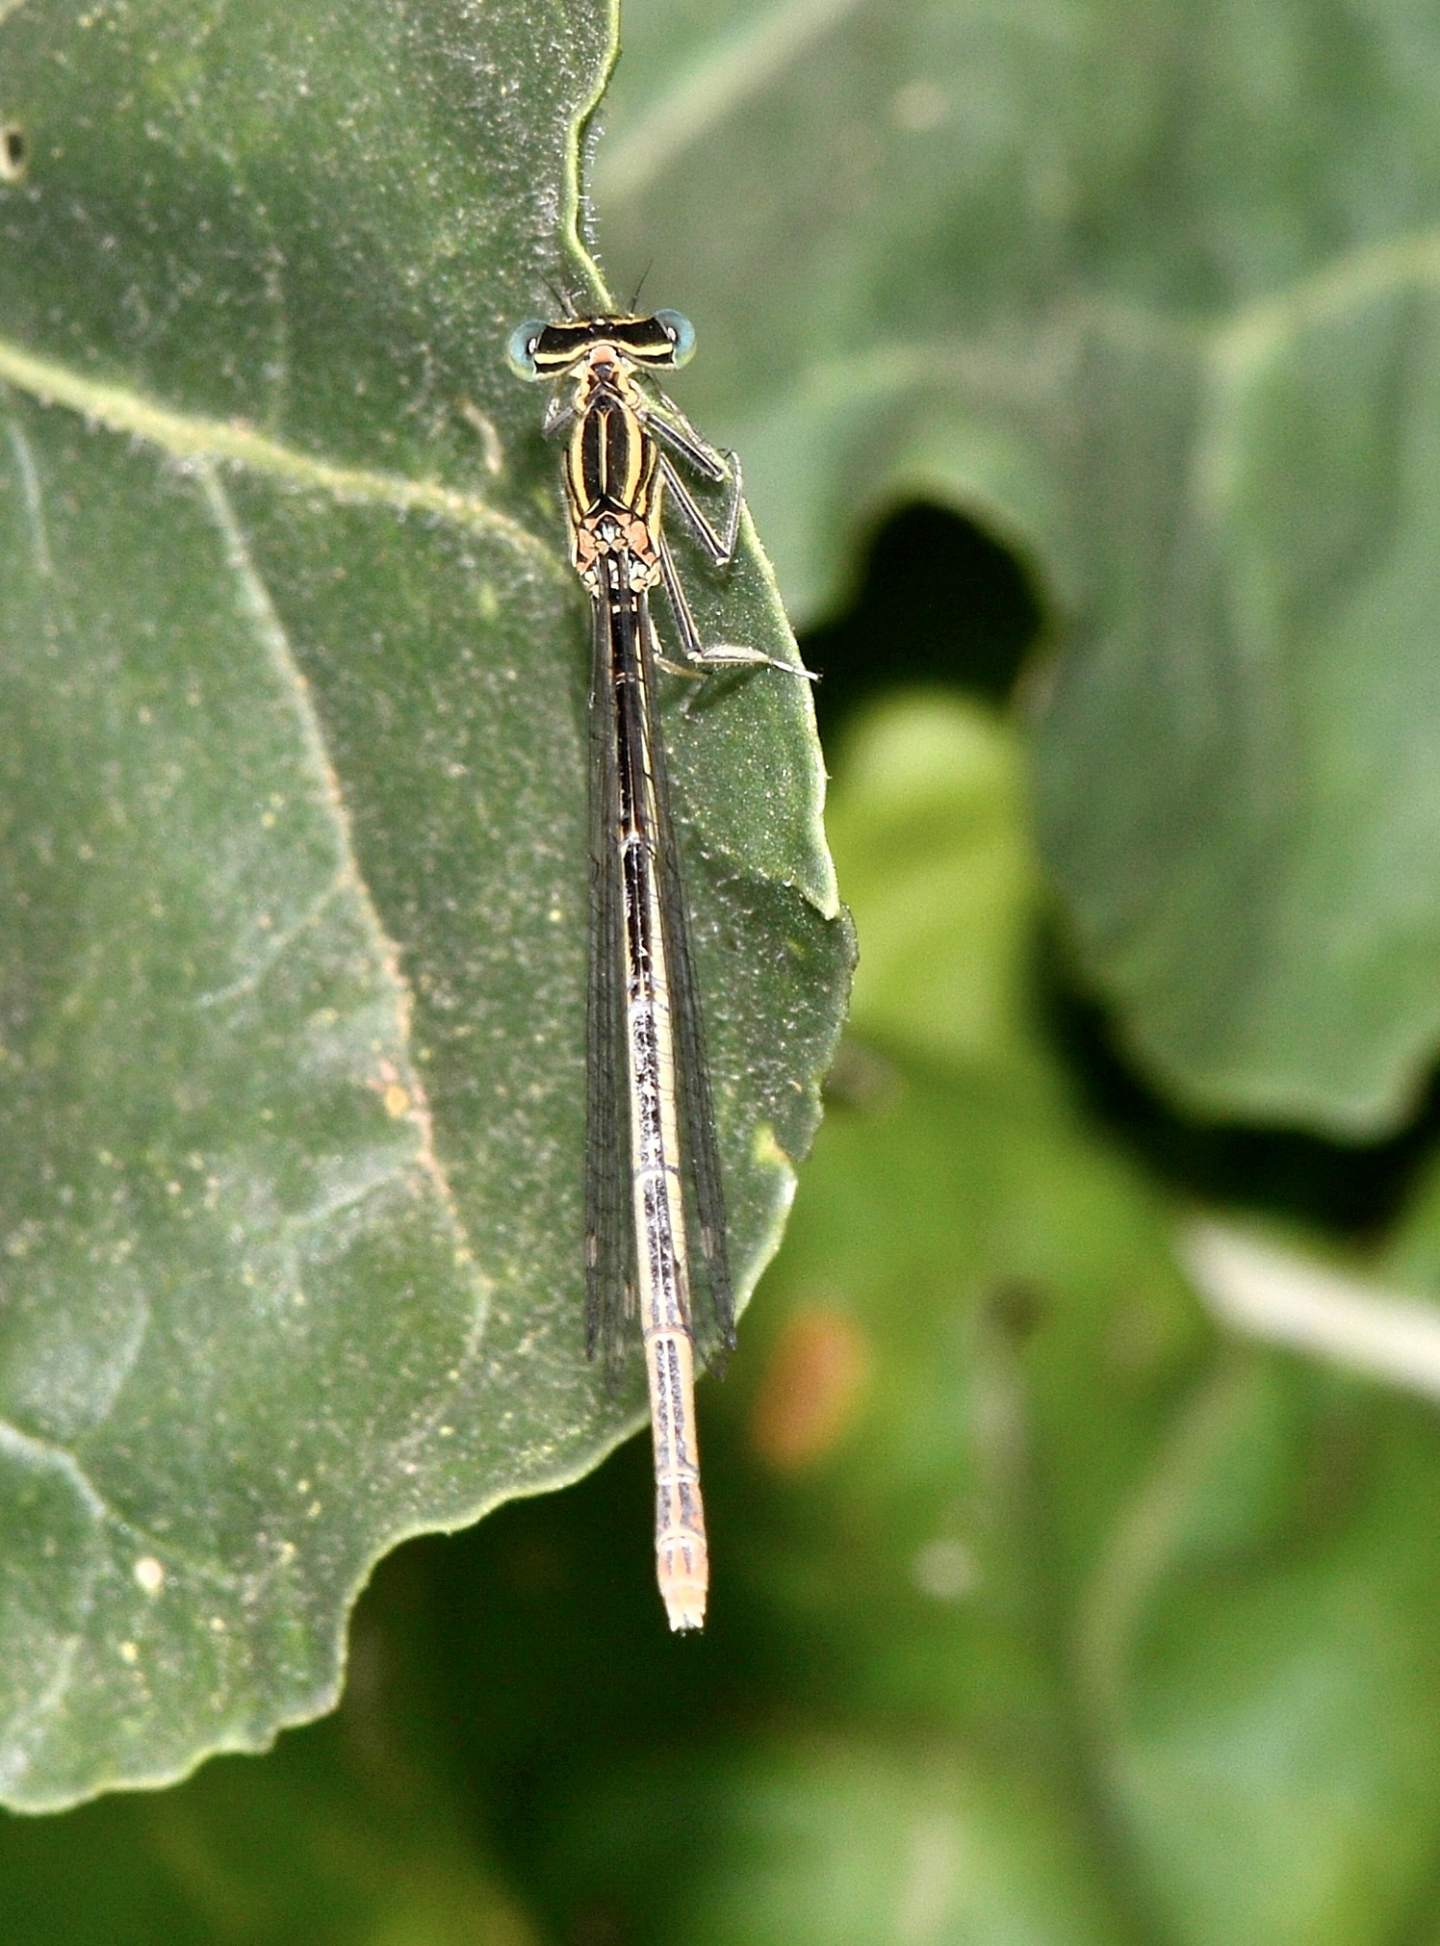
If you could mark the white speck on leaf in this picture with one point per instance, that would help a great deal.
(149, 1574)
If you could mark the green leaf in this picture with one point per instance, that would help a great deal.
(1153, 301)
(294, 873)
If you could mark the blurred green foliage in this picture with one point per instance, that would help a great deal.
(1054, 1606)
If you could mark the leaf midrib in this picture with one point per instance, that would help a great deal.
(191, 437)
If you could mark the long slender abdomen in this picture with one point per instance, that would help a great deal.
(682, 1564)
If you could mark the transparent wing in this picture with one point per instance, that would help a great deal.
(609, 1245)
(704, 1185)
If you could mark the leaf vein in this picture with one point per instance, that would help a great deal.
(16, 1753)
(35, 1450)
(197, 441)
(277, 946)
(277, 644)
(32, 498)
(1357, 277)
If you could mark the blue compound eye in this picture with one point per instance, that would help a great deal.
(681, 333)
(520, 347)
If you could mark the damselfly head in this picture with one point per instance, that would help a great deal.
(537, 349)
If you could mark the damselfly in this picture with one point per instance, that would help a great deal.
(650, 1136)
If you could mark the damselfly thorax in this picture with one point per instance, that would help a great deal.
(611, 475)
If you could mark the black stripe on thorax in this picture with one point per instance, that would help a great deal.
(613, 460)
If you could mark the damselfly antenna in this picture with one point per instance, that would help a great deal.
(564, 304)
(635, 298)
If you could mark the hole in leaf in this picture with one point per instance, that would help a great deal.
(14, 152)
(940, 601)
